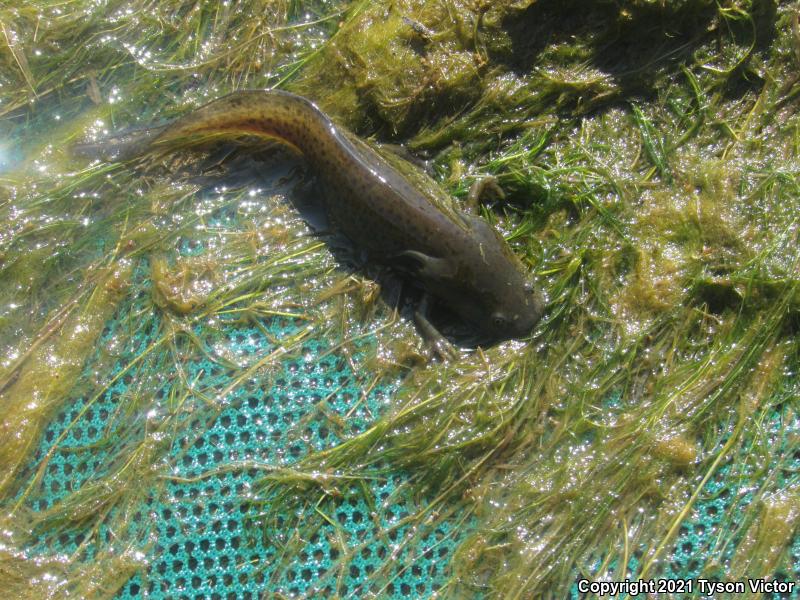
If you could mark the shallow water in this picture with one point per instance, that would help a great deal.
(200, 398)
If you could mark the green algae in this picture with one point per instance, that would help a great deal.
(649, 154)
(35, 390)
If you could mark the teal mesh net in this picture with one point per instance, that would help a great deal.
(200, 532)
(206, 532)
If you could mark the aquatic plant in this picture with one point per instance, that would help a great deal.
(648, 151)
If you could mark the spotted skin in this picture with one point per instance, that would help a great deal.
(397, 215)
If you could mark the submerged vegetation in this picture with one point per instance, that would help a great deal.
(649, 154)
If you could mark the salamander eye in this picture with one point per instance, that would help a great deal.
(499, 321)
(529, 287)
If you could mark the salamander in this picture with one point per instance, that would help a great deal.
(385, 207)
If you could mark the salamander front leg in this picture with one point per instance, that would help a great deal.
(440, 346)
(483, 189)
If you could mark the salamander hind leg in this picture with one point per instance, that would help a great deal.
(486, 188)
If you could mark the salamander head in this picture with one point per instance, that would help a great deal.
(501, 301)
(485, 284)
(514, 316)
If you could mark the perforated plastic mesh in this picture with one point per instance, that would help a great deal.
(201, 532)
(722, 503)
(199, 528)
(697, 550)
